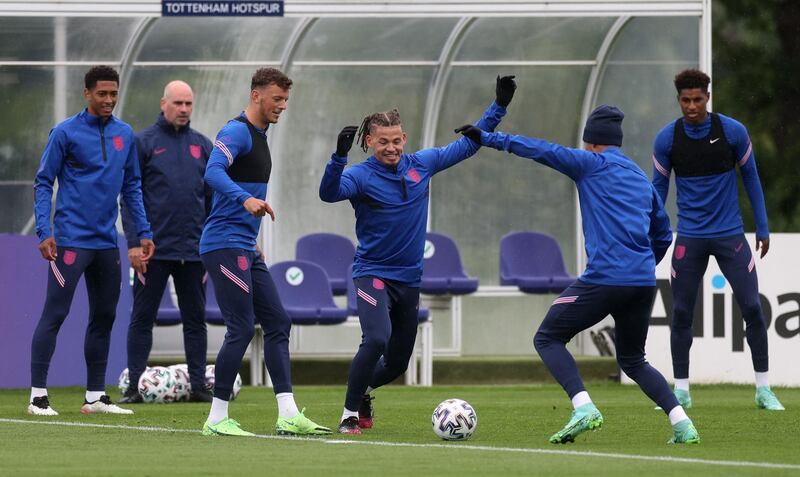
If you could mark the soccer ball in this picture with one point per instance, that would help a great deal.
(157, 384)
(210, 380)
(124, 381)
(183, 387)
(454, 419)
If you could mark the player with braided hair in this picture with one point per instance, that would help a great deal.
(389, 192)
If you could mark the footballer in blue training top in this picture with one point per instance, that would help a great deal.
(627, 233)
(705, 149)
(238, 171)
(93, 156)
(389, 192)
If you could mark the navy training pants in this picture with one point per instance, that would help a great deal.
(387, 311)
(738, 265)
(583, 305)
(247, 295)
(102, 272)
(148, 291)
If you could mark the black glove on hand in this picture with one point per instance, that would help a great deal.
(345, 140)
(504, 90)
(471, 132)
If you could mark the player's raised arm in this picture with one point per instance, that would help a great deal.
(335, 186)
(602, 128)
(440, 158)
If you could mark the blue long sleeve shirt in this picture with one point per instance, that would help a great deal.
(625, 227)
(708, 206)
(229, 225)
(391, 203)
(93, 161)
(172, 163)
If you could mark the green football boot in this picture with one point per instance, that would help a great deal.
(225, 427)
(300, 425)
(684, 399)
(684, 432)
(583, 418)
(765, 399)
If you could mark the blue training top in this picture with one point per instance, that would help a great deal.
(391, 203)
(625, 227)
(93, 161)
(229, 224)
(708, 206)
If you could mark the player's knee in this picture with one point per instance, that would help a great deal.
(376, 342)
(751, 312)
(630, 365)
(541, 341)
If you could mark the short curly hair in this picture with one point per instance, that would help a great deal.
(267, 76)
(691, 79)
(100, 73)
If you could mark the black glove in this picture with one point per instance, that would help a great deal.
(504, 90)
(345, 140)
(472, 132)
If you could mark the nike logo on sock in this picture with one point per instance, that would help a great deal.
(712, 141)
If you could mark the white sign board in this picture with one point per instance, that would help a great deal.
(719, 351)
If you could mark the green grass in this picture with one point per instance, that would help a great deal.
(512, 421)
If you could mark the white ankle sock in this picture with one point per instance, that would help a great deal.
(762, 379)
(677, 414)
(286, 405)
(580, 399)
(682, 384)
(348, 413)
(92, 396)
(219, 411)
(38, 392)
(369, 390)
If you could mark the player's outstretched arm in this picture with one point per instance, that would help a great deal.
(572, 162)
(335, 185)
(440, 158)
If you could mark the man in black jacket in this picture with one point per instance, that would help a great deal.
(173, 159)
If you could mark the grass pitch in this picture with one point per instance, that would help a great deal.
(514, 423)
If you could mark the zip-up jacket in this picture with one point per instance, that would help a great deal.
(708, 195)
(93, 161)
(175, 196)
(625, 227)
(391, 203)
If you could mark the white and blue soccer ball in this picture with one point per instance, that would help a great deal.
(124, 380)
(210, 380)
(454, 419)
(183, 387)
(157, 385)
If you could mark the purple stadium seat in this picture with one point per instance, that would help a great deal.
(423, 314)
(334, 253)
(533, 262)
(443, 273)
(213, 314)
(305, 292)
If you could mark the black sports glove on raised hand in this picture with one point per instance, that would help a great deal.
(345, 140)
(471, 132)
(504, 90)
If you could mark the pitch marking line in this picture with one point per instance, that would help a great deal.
(608, 455)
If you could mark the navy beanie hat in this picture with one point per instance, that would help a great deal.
(604, 126)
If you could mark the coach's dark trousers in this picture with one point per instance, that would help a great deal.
(148, 290)
(247, 295)
(388, 312)
(102, 272)
(583, 305)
